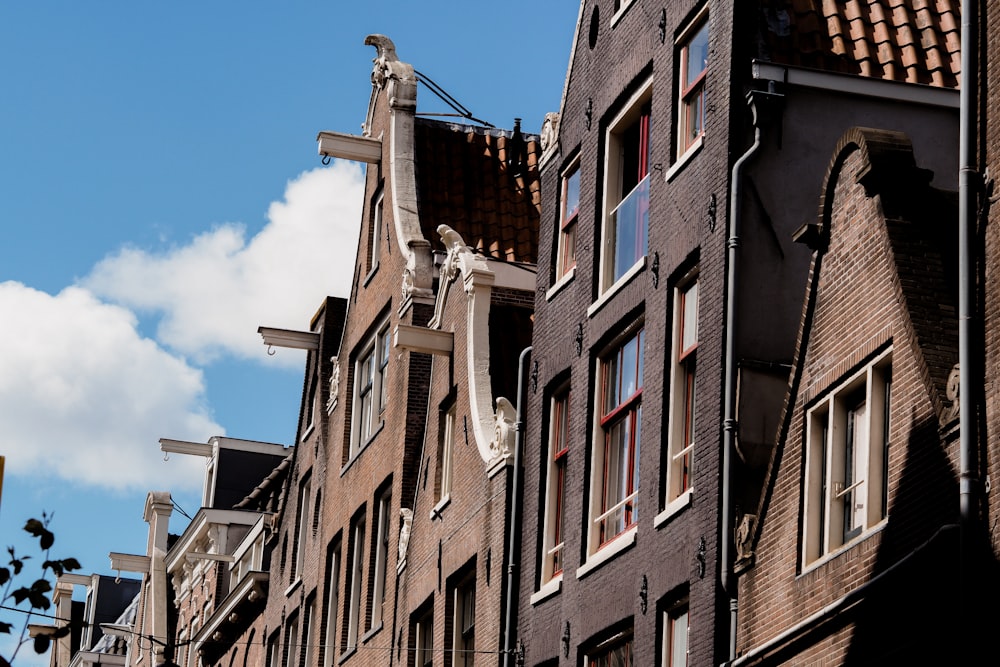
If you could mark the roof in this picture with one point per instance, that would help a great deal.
(912, 41)
(469, 178)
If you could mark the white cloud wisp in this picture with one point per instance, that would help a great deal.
(214, 292)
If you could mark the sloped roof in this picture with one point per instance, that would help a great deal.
(912, 41)
(470, 179)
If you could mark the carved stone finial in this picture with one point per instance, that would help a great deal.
(550, 131)
(404, 534)
(503, 429)
(952, 394)
(386, 53)
(744, 533)
(331, 402)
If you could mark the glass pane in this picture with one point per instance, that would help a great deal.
(611, 371)
(631, 220)
(697, 55)
(571, 195)
(689, 318)
(678, 639)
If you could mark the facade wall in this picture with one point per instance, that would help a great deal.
(667, 552)
(859, 312)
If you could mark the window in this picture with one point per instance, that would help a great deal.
(680, 445)
(273, 650)
(301, 528)
(292, 643)
(464, 622)
(626, 190)
(675, 637)
(309, 634)
(354, 578)
(693, 52)
(446, 447)
(381, 548)
(555, 492)
(847, 434)
(370, 389)
(422, 636)
(332, 603)
(616, 447)
(376, 231)
(615, 652)
(568, 215)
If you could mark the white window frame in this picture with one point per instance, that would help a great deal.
(423, 643)
(613, 275)
(683, 394)
(302, 528)
(445, 459)
(691, 91)
(602, 651)
(370, 387)
(381, 556)
(357, 548)
(378, 213)
(332, 605)
(628, 407)
(557, 456)
(569, 224)
(292, 643)
(309, 632)
(830, 483)
(464, 623)
(676, 630)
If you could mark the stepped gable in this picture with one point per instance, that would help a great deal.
(911, 41)
(468, 178)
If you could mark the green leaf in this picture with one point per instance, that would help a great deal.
(20, 595)
(3, 662)
(42, 643)
(55, 566)
(39, 601)
(62, 632)
(35, 527)
(70, 564)
(5, 627)
(4, 575)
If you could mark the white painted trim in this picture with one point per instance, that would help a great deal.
(627, 277)
(350, 147)
(617, 16)
(298, 340)
(673, 508)
(609, 551)
(897, 91)
(682, 161)
(557, 287)
(547, 590)
(422, 339)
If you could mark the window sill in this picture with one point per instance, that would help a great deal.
(626, 278)
(308, 432)
(547, 590)
(823, 559)
(673, 508)
(435, 512)
(294, 585)
(608, 552)
(560, 284)
(678, 166)
(370, 276)
(621, 12)
(371, 633)
(347, 654)
(362, 448)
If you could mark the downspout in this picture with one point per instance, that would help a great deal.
(729, 424)
(513, 543)
(967, 179)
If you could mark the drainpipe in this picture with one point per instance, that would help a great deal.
(967, 179)
(729, 424)
(513, 543)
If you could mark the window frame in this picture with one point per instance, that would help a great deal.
(614, 270)
(829, 484)
(683, 395)
(568, 222)
(375, 245)
(332, 640)
(381, 556)
(301, 527)
(422, 632)
(352, 617)
(691, 89)
(448, 420)
(463, 634)
(557, 456)
(672, 621)
(600, 654)
(370, 395)
(606, 418)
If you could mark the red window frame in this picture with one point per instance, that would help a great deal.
(687, 360)
(692, 93)
(567, 224)
(618, 409)
(560, 452)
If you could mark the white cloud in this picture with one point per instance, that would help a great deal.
(83, 397)
(213, 293)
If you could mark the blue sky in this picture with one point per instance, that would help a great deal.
(161, 197)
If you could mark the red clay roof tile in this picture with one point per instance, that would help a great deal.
(916, 41)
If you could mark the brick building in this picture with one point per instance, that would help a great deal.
(682, 162)
(390, 544)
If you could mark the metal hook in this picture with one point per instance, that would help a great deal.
(325, 160)
(166, 456)
(118, 576)
(270, 351)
